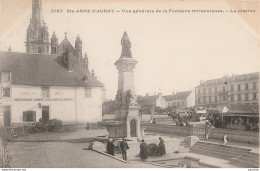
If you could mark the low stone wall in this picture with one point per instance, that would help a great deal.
(168, 129)
(240, 136)
(108, 117)
(235, 135)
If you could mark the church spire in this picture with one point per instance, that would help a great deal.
(37, 13)
(54, 43)
(86, 61)
(37, 39)
(78, 47)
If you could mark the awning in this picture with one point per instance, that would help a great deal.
(241, 114)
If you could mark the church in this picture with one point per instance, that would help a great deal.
(49, 81)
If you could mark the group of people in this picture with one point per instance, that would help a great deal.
(123, 147)
(143, 148)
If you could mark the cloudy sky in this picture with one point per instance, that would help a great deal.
(174, 50)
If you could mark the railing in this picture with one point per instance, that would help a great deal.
(199, 132)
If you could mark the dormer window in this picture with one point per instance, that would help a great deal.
(45, 92)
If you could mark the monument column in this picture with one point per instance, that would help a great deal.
(125, 65)
(126, 105)
(138, 130)
(128, 133)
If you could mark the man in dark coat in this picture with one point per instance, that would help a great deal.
(110, 147)
(124, 147)
(162, 150)
(143, 150)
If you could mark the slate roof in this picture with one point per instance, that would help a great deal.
(44, 70)
(238, 109)
(232, 79)
(243, 109)
(178, 96)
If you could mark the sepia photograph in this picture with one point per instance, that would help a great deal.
(129, 84)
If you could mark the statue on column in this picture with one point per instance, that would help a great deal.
(126, 46)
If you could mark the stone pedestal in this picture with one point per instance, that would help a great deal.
(142, 131)
(191, 140)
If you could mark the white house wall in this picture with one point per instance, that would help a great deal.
(62, 103)
(89, 108)
(191, 99)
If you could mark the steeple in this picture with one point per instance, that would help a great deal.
(54, 43)
(37, 39)
(78, 47)
(37, 13)
(86, 61)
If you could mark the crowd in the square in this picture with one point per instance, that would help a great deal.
(145, 150)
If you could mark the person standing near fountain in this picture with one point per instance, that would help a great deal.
(124, 147)
(110, 147)
(143, 150)
(162, 150)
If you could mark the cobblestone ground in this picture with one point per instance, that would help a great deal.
(62, 151)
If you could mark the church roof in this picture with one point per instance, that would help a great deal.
(65, 42)
(44, 70)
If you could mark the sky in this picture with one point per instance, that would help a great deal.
(174, 50)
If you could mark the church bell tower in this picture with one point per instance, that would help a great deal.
(37, 39)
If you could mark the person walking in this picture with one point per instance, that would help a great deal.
(162, 150)
(111, 147)
(225, 140)
(124, 147)
(143, 150)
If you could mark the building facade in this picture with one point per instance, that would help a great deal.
(180, 100)
(149, 103)
(229, 90)
(37, 84)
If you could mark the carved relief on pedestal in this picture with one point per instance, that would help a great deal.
(118, 99)
(130, 99)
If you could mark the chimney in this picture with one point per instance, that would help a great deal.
(173, 93)
(147, 94)
(201, 81)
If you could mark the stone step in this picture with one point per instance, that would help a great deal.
(243, 163)
(251, 154)
(217, 154)
(232, 152)
(222, 147)
(251, 160)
